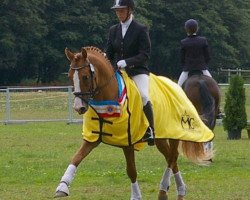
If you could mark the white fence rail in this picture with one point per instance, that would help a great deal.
(37, 104)
(44, 104)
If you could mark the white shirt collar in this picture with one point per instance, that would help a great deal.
(192, 34)
(125, 25)
(128, 22)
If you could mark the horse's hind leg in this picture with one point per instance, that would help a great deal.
(131, 172)
(172, 161)
(164, 148)
(170, 152)
(63, 188)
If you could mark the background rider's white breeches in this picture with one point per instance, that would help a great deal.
(184, 75)
(207, 73)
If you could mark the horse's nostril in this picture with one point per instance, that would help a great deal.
(83, 109)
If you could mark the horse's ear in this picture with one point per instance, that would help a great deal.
(84, 53)
(69, 54)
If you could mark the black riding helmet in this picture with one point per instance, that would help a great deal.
(123, 4)
(191, 26)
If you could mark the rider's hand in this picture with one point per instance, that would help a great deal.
(121, 64)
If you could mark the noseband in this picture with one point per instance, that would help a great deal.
(92, 92)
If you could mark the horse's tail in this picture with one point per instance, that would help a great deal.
(199, 152)
(208, 105)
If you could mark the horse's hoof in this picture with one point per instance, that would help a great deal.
(62, 190)
(162, 195)
(60, 194)
(180, 197)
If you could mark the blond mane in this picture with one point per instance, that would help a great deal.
(98, 52)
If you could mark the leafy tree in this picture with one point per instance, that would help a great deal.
(22, 29)
(72, 24)
(34, 33)
(167, 30)
(236, 117)
(235, 16)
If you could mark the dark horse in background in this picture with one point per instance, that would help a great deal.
(204, 93)
(95, 79)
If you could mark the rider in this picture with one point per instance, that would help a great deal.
(194, 54)
(128, 47)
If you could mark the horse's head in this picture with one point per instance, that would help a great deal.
(82, 75)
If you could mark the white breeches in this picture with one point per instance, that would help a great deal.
(142, 83)
(184, 76)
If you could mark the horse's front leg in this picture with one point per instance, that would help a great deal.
(132, 173)
(63, 188)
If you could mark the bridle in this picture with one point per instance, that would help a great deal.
(92, 91)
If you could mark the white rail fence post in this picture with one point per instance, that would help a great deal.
(7, 114)
(245, 73)
(37, 104)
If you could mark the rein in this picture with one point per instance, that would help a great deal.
(92, 91)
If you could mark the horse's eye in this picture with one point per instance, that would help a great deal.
(85, 78)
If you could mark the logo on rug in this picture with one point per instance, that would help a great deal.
(187, 122)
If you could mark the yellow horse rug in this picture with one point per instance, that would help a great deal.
(123, 123)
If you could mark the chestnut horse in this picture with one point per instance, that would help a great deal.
(95, 80)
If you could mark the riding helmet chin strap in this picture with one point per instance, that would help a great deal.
(128, 15)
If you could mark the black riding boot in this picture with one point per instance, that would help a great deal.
(149, 136)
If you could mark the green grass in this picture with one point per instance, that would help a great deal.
(34, 156)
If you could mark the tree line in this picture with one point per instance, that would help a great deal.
(34, 33)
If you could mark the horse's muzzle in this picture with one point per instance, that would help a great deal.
(81, 111)
(80, 106)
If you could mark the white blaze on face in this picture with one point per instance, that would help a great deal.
(78, 102)
(76, 82)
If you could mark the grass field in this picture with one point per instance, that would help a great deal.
(34, 156)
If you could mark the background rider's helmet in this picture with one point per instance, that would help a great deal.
(123, 4)
(191, 26)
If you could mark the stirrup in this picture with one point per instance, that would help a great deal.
(149, 136)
